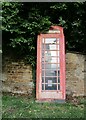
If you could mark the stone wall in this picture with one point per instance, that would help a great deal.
(17, 76)
(75, 74)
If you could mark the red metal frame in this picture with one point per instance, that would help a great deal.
(39, 92)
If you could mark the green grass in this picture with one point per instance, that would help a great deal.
(23, 107)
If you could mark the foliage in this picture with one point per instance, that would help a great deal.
(22, 107)
(22, 22)
(72, 18)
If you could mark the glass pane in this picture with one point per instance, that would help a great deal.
(58, 66)
(58, 86)
(50, 66)
(42, 59)
(50, 86)
(42, 46)
(57, 47)
(58, 72)
(58, 53)
(51, 53)
(47, 47)
(50, 73)
(51, 59)
(42, 72)
(42, 65)
(43, 53)
(50, 40)
(42, 79)
(50, 47)
(42, 86)
(58, 60)
(53, 79)
(58, 79)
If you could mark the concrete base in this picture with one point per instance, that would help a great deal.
(50, 101)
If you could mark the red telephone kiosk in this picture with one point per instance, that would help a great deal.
(50, 74)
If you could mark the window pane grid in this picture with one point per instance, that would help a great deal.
(51, 85)
(50, 64)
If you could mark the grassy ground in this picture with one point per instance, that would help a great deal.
(23, 107)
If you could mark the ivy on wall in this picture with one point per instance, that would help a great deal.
(23, 21)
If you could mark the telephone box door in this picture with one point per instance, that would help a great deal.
(50, 77)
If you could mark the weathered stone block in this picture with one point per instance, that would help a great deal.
(17, 76)
(74, 73)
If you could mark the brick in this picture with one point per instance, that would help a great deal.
(17, 76)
